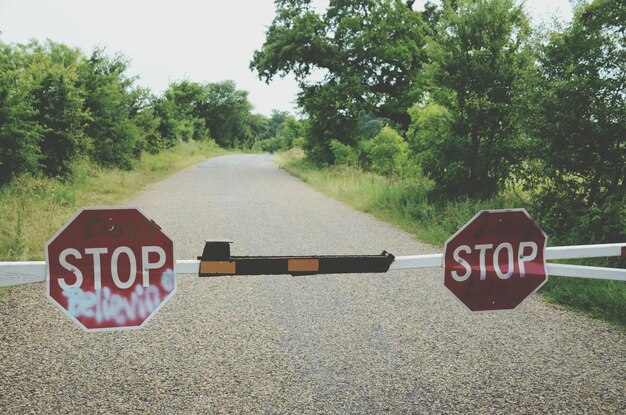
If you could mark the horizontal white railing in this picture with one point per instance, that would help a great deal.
(16, 273)
(552, 253)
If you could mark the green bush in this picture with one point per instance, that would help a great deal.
(20, 134)
(116, 140)
(387, 152)
(148, 123)
(434, 144)
(41, 112)
(343, 153)
(184, 130)
(273, 144)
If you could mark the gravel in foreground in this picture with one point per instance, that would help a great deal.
(378, 343)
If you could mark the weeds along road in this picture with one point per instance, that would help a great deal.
(394, 342)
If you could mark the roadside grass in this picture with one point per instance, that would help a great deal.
(404, 202)
(601, 299)
(34, 208)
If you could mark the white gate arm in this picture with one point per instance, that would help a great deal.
(16, 273)
(552, 253)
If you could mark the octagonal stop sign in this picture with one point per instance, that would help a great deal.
(110, 268)
(496, 260)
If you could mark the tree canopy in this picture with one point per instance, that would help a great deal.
(359, 57)
(580, 122)
(466, 132)
(481, 99)
(58, 105)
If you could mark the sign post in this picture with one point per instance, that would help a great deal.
(496, 260)
(110, 268)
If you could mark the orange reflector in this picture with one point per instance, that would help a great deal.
(218, 267)
(304, 265)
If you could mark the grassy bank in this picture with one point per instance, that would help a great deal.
(33, 209)
(404, 203)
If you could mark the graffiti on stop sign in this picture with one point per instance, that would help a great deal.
(104, 306)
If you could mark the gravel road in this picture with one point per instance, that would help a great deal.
(373, 343)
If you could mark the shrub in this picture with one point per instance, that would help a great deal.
(387, 152)
(343, 153)
(433, 143)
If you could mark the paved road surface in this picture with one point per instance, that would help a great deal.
(374, 343)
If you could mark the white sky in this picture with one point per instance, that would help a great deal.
(203, 41)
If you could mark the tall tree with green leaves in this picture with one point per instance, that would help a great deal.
(581, 125)
(20, 134)
(167, 113)
(368, 55)
(182, 111)
(59, 104)
(108, 101)
(258, 128)
(274, 124)
(190, 110)
(466, 131)
(227, 112)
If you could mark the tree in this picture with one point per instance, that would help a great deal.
(368, 53)
(292, 132)
(142, 112)
(20, 134)
(59, 105)
(182, 112)
(148, 124)
(227, 111)
(168, 115)
(581, 125)
(387, 152)
(274, 123)
(282, 131)
(190, 110)
(480, 58)
(258, 128)
(108, 101)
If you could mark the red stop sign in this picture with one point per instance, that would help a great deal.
(496, 260)
(110, 268)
